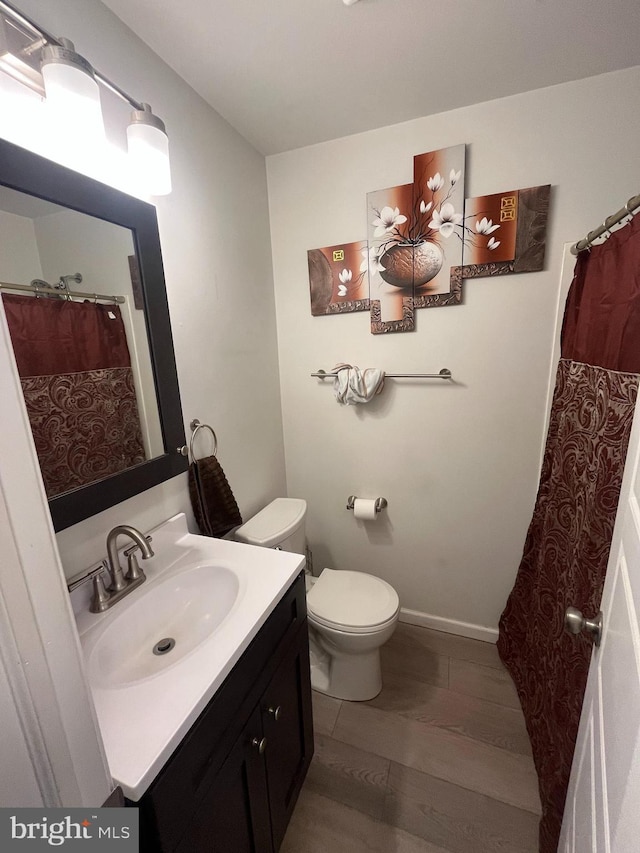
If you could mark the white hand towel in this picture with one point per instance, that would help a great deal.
(353, 385)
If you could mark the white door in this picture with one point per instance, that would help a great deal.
(602, 812)
(51, 750)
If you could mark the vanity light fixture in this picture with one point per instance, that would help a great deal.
(51, 66)
(149, 150)
(71, 90)
(17, 54)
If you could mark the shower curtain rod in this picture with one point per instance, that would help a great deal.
(40, 291)
(628, 210)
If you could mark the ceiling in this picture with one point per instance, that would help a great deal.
(289, 73)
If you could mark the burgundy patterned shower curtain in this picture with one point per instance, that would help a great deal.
(77, 382)
(567, 545)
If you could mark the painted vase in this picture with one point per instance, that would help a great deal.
(409, 264)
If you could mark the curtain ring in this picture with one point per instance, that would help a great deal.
(630, 211)
(607, 230)
(95, 298)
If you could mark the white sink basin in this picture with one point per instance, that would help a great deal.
(163, 624)
(209, 595)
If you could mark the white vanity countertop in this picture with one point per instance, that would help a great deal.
(142, 722)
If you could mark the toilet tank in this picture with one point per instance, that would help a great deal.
(279, 525)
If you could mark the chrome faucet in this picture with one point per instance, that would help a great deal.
(120, 582)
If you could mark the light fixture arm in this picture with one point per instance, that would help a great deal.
(40, 32)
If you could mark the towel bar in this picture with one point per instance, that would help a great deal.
(445, 373)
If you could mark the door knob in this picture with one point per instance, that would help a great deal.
(276, 713)
(260, 744)
(575, 622)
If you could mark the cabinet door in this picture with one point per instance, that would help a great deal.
(288, 728)
(234, 815)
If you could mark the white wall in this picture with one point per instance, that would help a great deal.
(19, 258)
(458, 463)
(214, 232)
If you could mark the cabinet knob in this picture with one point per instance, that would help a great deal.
(260, 744)
(276, 713)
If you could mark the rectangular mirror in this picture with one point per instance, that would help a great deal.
(83, 291)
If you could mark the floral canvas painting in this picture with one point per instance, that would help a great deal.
(438, 223)
(506, 232)
(416, 233)
(390, 260)
(338, 278)
(423, 240)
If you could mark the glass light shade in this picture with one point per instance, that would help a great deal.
(72, 93)
(17, 56)
(149, 152)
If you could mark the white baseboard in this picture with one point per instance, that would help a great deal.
(449, 626)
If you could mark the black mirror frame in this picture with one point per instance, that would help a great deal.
(29, 173)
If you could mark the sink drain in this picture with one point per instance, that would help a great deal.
(163, 646)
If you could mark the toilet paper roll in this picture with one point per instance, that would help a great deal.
(365, 509)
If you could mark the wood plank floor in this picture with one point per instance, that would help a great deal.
(439, 762)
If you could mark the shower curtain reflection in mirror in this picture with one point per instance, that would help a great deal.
(76, 365)
(76, 376)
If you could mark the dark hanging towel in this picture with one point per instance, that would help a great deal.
(214, 505)
(567, 546)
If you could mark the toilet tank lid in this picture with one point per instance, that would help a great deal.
(273, 524)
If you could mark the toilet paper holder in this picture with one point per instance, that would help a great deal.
(381, 503)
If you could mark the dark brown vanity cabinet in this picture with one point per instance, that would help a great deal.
(232, 784)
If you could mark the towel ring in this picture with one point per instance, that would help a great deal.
(195, 426)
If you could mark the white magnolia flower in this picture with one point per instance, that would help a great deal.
(425, 208)
(345, 276)
(387, 220)
(436, 182)
(485, 226)
(371, 261)
(454, 176)
(446, 220)
(493, 243)
(342, 290)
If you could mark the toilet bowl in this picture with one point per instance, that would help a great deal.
(350, 614)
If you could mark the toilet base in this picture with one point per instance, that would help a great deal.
(355, 678)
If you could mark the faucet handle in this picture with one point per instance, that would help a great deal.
(89, 575)
(100, 596)
(134, 572)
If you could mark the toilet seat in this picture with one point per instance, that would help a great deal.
(352, 602)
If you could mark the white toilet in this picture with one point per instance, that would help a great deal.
(351, 614)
